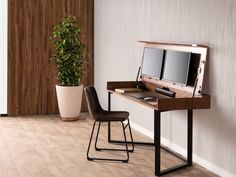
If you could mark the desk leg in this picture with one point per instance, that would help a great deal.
(190, 138)
(119, 141)
(157, 141)
(109, 124)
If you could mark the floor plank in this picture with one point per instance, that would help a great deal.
(45, 146)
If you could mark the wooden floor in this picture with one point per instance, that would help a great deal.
(45, 146)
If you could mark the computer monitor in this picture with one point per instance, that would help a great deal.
(176, 66)
(152, 62)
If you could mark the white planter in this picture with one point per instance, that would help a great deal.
(69, 101)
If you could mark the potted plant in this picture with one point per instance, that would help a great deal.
(69, 61)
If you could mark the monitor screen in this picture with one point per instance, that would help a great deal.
(176, 66)
(152, 62)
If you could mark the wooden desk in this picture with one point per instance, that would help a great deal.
(164, 103)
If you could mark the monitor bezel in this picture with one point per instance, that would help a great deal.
(187, 73)
(162, 62)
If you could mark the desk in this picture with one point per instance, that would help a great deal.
(162, 104)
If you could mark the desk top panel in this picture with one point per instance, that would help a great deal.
(162, 103)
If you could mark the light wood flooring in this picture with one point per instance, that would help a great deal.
(45, 146)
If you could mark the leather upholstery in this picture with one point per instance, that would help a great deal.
(97, 112)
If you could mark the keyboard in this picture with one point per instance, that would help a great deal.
(142, 95)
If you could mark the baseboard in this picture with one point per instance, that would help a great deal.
(142, 130)
(3, 115)
(197, 159)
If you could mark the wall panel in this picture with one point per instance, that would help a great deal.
(118, 27)
(32, 78)
(3, 57)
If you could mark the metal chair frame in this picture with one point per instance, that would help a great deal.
(127, 150)
(100, 115)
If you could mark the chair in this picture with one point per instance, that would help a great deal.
(100, 115)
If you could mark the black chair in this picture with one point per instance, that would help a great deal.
(100, 115)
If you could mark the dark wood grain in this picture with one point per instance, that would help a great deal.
(31, 77)
(183, 101)
(118, 84)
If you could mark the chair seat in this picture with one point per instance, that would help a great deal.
(113, 116)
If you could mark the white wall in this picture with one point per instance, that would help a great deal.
(3, 57)
(118, 26)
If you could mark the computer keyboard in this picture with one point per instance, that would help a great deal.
(142, 95)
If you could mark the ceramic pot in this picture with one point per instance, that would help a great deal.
(69, 101)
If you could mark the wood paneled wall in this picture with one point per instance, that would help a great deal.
(31, 77)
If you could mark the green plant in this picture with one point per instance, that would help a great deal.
(69, 54)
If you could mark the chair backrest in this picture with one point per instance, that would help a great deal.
(93, 103)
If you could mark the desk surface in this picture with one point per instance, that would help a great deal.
(163, 103)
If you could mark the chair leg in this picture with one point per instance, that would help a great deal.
(109, 149)
(126, 144)
(108, 159)
(91, 136)
(131, 137)
(97, 149)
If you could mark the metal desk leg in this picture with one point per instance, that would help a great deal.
(121, 141)
(157, 141)
(190, 138)
(109, 124)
